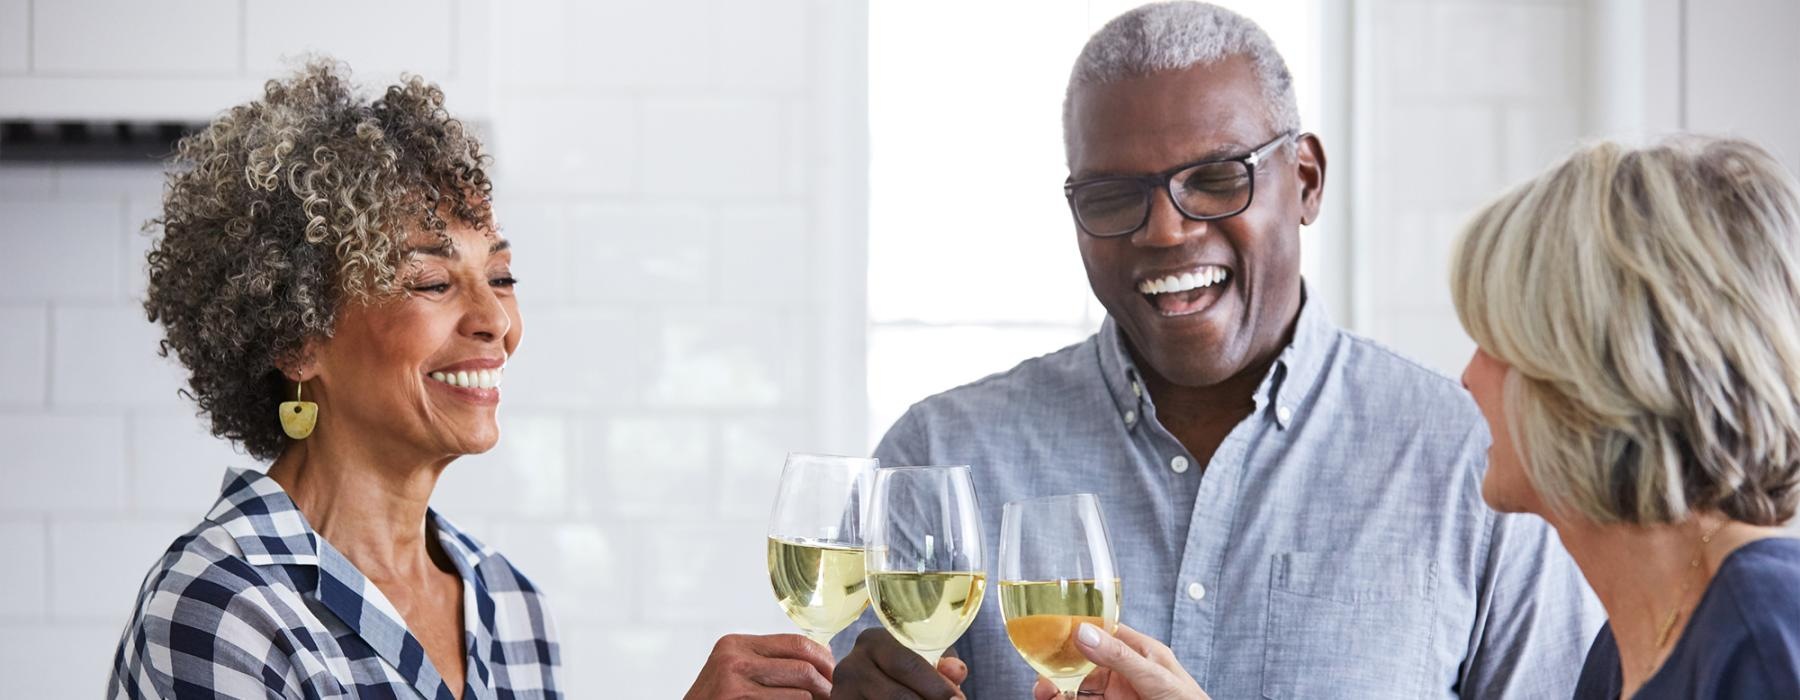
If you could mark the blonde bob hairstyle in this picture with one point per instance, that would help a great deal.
(1648, 301)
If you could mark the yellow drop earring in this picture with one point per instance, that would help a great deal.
(298, 417)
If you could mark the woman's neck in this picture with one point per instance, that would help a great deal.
(1650, 578)
(369, 506)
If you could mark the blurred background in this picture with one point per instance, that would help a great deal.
(742, 227)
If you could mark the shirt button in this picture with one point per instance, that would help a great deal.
(1137, 389)
(1196, 591)
(1284, 414)
(1130, 417)
(1179, 464)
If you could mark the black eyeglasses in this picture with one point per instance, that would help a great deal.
(1119, 205)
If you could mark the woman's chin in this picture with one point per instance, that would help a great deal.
(472, 440)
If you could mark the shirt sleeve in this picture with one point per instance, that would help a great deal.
(1535, 615)
(905, 443)
(204, 635)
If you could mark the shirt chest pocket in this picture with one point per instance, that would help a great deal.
(1345, 625)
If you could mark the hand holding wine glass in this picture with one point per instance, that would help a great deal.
(1056, 576)
(1130, 665)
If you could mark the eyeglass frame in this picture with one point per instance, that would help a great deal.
(1165, 181)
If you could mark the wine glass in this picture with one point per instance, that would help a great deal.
(816, 542)
(1056, 572)
(925, 564)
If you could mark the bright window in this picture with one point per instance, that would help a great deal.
(973, 264)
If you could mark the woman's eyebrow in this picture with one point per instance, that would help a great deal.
(439, 250)
(449, 250)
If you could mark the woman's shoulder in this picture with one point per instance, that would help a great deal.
(205, 574)
(1761, 578)
(1760, 642)
(202, 601)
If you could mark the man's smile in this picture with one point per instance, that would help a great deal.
(1185, 292)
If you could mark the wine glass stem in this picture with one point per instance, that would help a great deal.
(821, 638)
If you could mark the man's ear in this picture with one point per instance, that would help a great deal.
(1309, 164)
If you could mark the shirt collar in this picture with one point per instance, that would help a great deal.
(1285, 388)
(270, 529)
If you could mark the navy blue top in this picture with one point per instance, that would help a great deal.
(1743, 641)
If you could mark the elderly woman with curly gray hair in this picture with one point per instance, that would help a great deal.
(330, 275)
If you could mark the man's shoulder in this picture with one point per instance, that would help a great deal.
(1045, 377)
(1393, 386)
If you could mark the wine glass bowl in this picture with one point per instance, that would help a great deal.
(1056, 572)
(816, 542)
(925, 560)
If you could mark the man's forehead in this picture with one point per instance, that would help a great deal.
(1171, 117)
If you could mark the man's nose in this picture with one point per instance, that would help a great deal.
(1166, 227)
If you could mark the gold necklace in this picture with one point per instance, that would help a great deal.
(1687, 583)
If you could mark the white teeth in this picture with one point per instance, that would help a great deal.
(1203, 277)
(477, 379)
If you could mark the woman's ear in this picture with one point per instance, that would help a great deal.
(301, 364)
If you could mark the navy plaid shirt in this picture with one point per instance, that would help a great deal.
(253, 603)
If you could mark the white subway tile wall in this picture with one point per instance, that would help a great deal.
(133, 38)
(15, 36)
(658, 172)
(1456, 116)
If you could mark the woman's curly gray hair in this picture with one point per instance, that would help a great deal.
(283, 210)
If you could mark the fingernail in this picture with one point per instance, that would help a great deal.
(1089, 634)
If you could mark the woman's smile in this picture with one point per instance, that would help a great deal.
(477, 381)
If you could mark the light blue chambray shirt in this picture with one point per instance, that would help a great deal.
(1336, 546)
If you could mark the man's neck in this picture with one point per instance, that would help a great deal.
(1225, 402)
(1229, 400)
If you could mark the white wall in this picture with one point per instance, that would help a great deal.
(105, 59)
(1456, 100)
(683, 183)
(1743, 72)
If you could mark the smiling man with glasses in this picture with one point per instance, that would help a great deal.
(1295, 510)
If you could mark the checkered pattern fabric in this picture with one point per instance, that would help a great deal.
(253, 603)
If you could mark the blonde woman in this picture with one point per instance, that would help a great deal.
(1637, 313)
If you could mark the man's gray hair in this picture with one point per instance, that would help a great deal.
(1167, 36)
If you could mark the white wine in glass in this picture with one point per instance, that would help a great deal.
(1056, 572)
(926, 568)
(816, 542)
